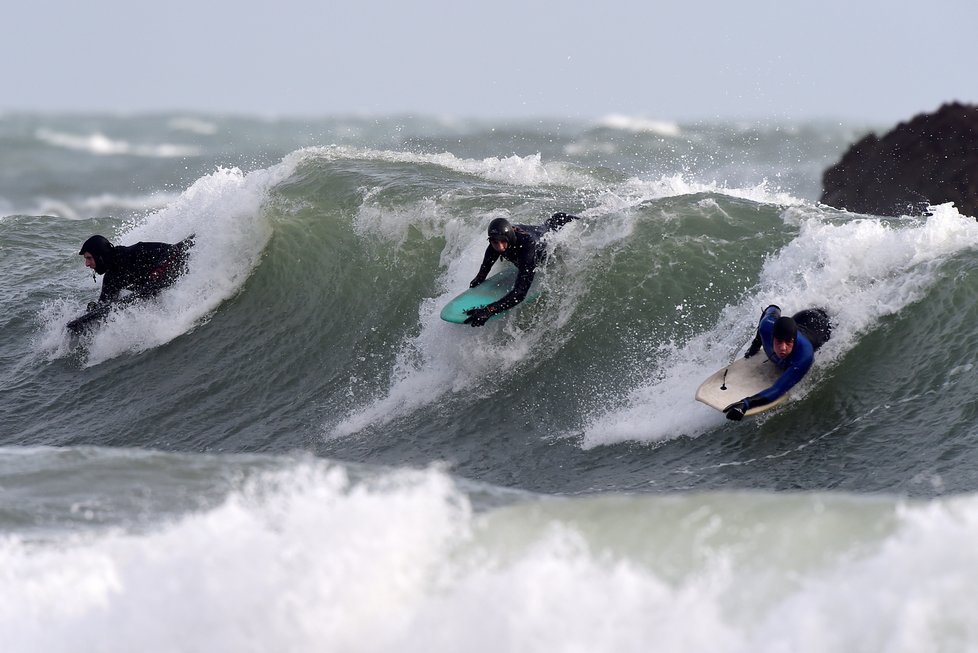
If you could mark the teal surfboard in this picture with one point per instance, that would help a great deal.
(490, 290)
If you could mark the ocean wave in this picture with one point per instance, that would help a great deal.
(193, 125)
(694, 572)
(89, 207)
(224, 210)
(860, 271)
(100, 144)
(640, 125)
(517, 170)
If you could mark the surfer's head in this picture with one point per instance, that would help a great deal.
(97, 251)
(501, 234)
(784, 334)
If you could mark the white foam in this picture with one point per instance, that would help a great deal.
(532, 171)
(96, 206)
(860, 271)
(102, 145)
(449, 359)
(193, 125)
(640, 125)
(641, 190)
(446, 358)
(516, 170)
(307, 561)
(224, 209)
(443, 357)
(590, 149)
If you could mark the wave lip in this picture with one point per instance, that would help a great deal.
(516, 170)
(860, 271)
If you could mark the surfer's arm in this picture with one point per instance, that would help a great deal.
(487, 262)
(785, 382)
(755, 346)
(524, 279)
(765, 326)
(110, 290)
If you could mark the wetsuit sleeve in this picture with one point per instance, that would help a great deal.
(755, 345)
(487, 262)
(524, 279)
(788, 379)
(769, 316)
(110, 288)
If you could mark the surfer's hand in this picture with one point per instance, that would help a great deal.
(736, 410)
(477, 316)
(475, 282)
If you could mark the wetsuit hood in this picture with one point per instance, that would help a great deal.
(501, 229)
(101, 250)
(785, 329)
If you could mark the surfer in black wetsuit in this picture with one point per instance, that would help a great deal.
(522, 246)
(144, 269)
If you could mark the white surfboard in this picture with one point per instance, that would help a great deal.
(742, 378)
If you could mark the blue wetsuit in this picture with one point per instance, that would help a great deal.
(794, 366)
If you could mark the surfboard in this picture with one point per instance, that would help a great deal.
(742, 378)
(492, 289)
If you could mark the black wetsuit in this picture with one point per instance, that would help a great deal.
(143, 268)
(526, 253)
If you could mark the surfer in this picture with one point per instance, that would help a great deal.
(522, 246)
(144, 269)
(790, 343)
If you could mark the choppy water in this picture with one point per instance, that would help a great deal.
(290, 450)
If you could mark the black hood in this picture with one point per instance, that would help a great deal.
(101, 250)
(501, 229)
(785, 329)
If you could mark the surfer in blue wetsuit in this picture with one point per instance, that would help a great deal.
(790, 343)
(522, 246)
(144, 269)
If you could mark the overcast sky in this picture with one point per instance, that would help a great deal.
(869, 60)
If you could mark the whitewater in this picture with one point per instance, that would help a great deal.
(288, 449)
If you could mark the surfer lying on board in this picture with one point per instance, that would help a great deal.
(790, 343)
(521, 245)
(144, 269)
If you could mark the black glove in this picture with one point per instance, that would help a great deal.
(736, 410)
(475, 282)
(477, 316)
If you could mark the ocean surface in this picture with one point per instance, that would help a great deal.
(288, 450)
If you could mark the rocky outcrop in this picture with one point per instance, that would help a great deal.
(932, 159)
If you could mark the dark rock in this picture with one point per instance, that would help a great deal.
(932, 159)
